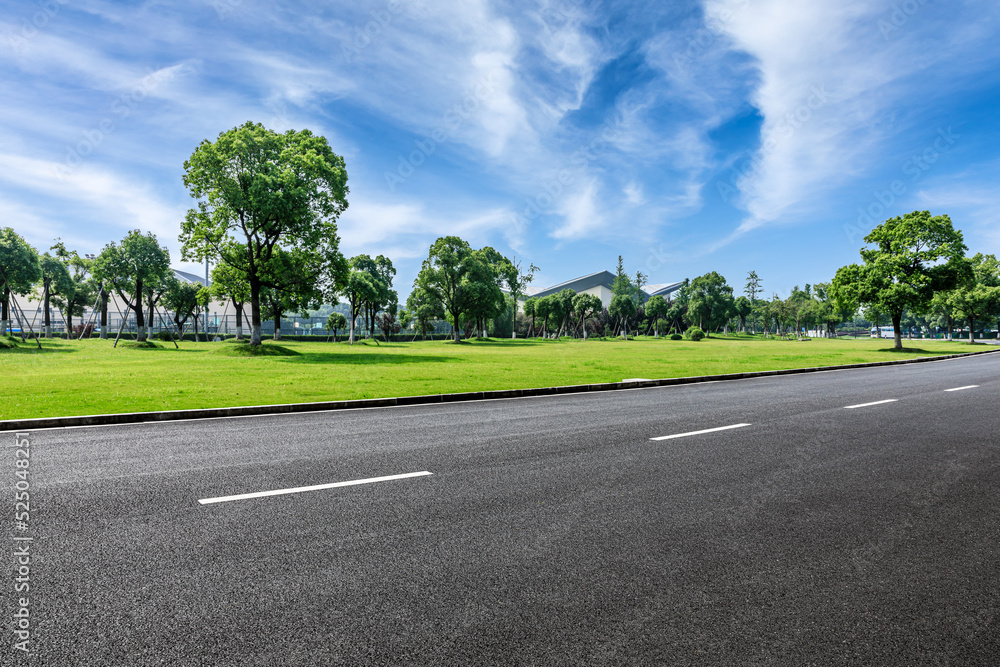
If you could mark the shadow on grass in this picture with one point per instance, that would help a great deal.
(511, 342)
(17, 347)
(246, 350)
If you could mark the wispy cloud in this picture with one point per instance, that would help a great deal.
(828, 80)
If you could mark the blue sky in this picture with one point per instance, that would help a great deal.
(688, 136)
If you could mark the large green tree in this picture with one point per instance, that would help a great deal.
(656, 308)
(378, 294)
(445, 275)
(84, 287)
(801, 307)
(742, 307)
(977, 297)
(56, 280)
(260, 192)
(181, 299)
(906, 261)
(586, 306)
(130, 267)
(710, 301)
(488, 275)
(363, 287)
(424, 309)
(565, 300)
(19, 271)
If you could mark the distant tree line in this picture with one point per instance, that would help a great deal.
(266, 211)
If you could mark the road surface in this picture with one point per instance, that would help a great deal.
(839, 518)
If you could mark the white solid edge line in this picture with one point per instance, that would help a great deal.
(317, 487)
(971, 386)
(865, 405)
(707, 430)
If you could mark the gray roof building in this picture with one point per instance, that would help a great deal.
(600, 284)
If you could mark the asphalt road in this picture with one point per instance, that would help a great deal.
(552, 531)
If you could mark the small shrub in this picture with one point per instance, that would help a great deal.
(676, 336)
(83, 330)
(164, 336)
(695, 333)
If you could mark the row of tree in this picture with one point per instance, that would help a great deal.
(136, 270)
(266, 212)
(917, 263)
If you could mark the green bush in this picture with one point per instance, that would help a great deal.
(695, 333)
(676, 336)
(164, 336)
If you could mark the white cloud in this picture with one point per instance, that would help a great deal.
(407, 230)
(633, 194)
(94, 193)
(823, 81)
(581, 214)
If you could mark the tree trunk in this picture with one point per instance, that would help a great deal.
(277, 322)
(455, 326)
(352, 323)
(972, 326)
(140, 321)
(69, 318)
(897, 334)
(196, 327)
(45, 301)
(254, 310)
(5, 311)
(104, 314)
(239, 320)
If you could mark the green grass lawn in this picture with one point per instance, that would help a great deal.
(90, 377)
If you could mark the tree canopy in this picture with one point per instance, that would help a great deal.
(19, 270)
(710, 301)
(139, 261)
(907, 260)
(976, 298)
(260, 192)
(445, 276)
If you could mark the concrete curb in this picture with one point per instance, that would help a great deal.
(292, 408)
